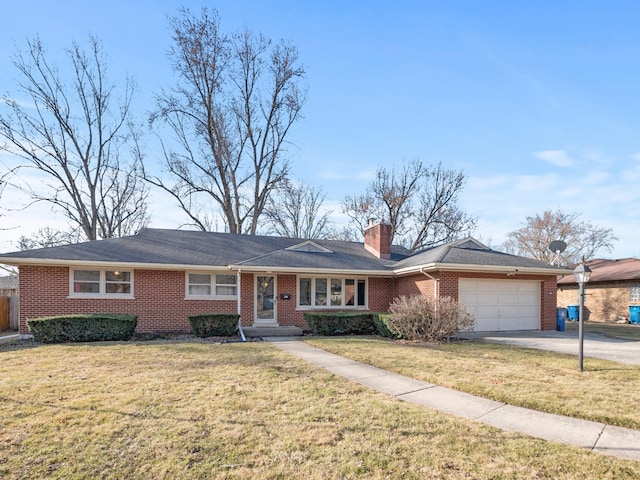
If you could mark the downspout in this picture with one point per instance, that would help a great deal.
(242, 337)
(435, 282)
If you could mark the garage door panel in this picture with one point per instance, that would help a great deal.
(510, 311)
(486, 310)
(486, 288)
(501, 304)
(489, 299)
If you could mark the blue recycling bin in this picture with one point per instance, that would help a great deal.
(561, 318)
(573, 312)
(634, 313)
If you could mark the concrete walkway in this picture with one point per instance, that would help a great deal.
(8, 336)
(598, 437)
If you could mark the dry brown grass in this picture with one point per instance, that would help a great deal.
(193, 410)
(605, 392)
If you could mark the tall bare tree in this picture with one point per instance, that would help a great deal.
(3, 184)
(80, 139)
(583, 239)
(229, 115)
(48, 237)
(419, 201)
(295, 210)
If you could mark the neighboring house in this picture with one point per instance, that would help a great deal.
(162, 276)
(614, 286)
(8, 285)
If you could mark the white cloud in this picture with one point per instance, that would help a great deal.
(557, 158)
(636, 157)
(607, 198)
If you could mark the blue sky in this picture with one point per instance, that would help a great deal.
(535, 101)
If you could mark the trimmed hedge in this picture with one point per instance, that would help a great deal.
(381, 322)
(339, 323)
(214, 324)
(96, 327)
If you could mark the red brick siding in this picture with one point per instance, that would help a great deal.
(159, 299)
(418, 284)
(377, 240)
(549, 294)
(247, 293)
(604, 301)
(380, 293)
(287, 312)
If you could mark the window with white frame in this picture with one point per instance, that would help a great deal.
(98, 283)
(332, 292)
(226, 284)
(211, 285)
(634, 292)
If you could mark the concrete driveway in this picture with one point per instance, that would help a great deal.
(595, 345)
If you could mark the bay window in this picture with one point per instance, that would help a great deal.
(332, 292)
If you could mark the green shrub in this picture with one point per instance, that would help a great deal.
(424, 318)
(95, 327)
(214, 324)
(339, 323)
(381, 322)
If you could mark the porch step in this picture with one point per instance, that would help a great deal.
(279, 331)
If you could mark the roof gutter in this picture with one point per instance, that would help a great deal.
(57, 262)
(436, 283)
(460, 267)
(296, 270)
(431, 267)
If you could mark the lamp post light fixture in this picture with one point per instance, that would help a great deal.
(582, 274)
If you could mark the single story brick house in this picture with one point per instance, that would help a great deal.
(162, 276)
(614, 286)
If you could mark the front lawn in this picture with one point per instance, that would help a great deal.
(550, 382)
(196, 410)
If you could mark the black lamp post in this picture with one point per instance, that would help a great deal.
(582, 273)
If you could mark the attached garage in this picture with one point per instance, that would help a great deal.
(501, 304)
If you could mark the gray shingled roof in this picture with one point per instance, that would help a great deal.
(183, 247)
(195, 248)
(469, 251)
(603, 270)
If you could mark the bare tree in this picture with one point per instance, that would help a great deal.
(295, 210)
(48, 237)
(79, 138)
(229, 114)
(583, 239)
(3, 184)
(420, 202)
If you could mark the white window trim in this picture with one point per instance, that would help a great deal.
(103, 284)
(212, 284)
(332, 307)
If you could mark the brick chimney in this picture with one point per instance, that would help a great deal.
(377, 239)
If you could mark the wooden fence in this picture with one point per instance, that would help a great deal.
(5, 313)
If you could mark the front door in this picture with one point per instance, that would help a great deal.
(265, 311)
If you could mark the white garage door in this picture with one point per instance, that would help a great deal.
(501, 304)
